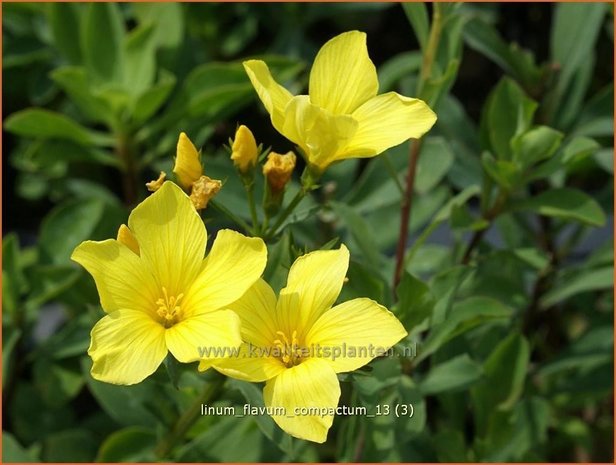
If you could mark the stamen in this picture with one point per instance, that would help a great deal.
(169, 308)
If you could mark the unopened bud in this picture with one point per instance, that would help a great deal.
(187, 167)
(244, 149)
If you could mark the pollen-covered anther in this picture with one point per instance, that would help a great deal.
(169, 308)
(289, 349)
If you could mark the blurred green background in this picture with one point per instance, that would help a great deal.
(515, 348)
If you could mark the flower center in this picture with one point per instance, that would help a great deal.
(169, 308)
(288, 350)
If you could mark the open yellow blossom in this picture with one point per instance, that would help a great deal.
(342, 117)
(159, 292)
(296, 343)
(244, 149)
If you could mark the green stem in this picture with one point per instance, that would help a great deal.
(253, 208)
(406, 204)
(236, 219)
(286, 213)
(188, 418)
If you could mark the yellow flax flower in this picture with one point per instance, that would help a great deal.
(298, 342)
(159, 292)
(244, 149)
(342, 117)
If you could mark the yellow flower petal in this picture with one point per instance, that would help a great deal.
(127, 346)
(171, 237)
(274, 97)
(252, 364)
(343, 76)
(233, 265)
(386, 121)
(316, 278)
(187, 164)
(210, 335)
(257, 311)
(312, 383)
(320, 133)
(119, 274)
(362, 325)
(126, 237)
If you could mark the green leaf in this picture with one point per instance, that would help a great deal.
(9, 342)
(361, 232)
(74, 81)
(398, 67)
(131, 444)
(68, 225)
(153, 98)
(566, 203)
(415, 302)
(505, 173)
(535, 145)
(453, 375)
(35, 122)
(74, 445)
(140, 67)
(125, 404)
(581, 281)
(254, 397)
(516, 62)
(48, 282)
(464, 316)
(593, 348)
(505, 372)
(507, 113)
(166, 18)
(14, 282)
(102, 36)
(57, 383)
(12, 451)
(435, 161)
(450, 446)
(417, 15)
(574, 32)
(64, 20)
(579, 148)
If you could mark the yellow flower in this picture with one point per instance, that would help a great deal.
(343, 117)
(159, 292)
(278, 170)
(187, 167)
(244, 149)
(290, 342)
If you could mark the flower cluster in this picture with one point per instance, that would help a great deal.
(161, 293)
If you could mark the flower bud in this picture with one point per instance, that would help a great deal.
(244, 150)
(187, 167)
